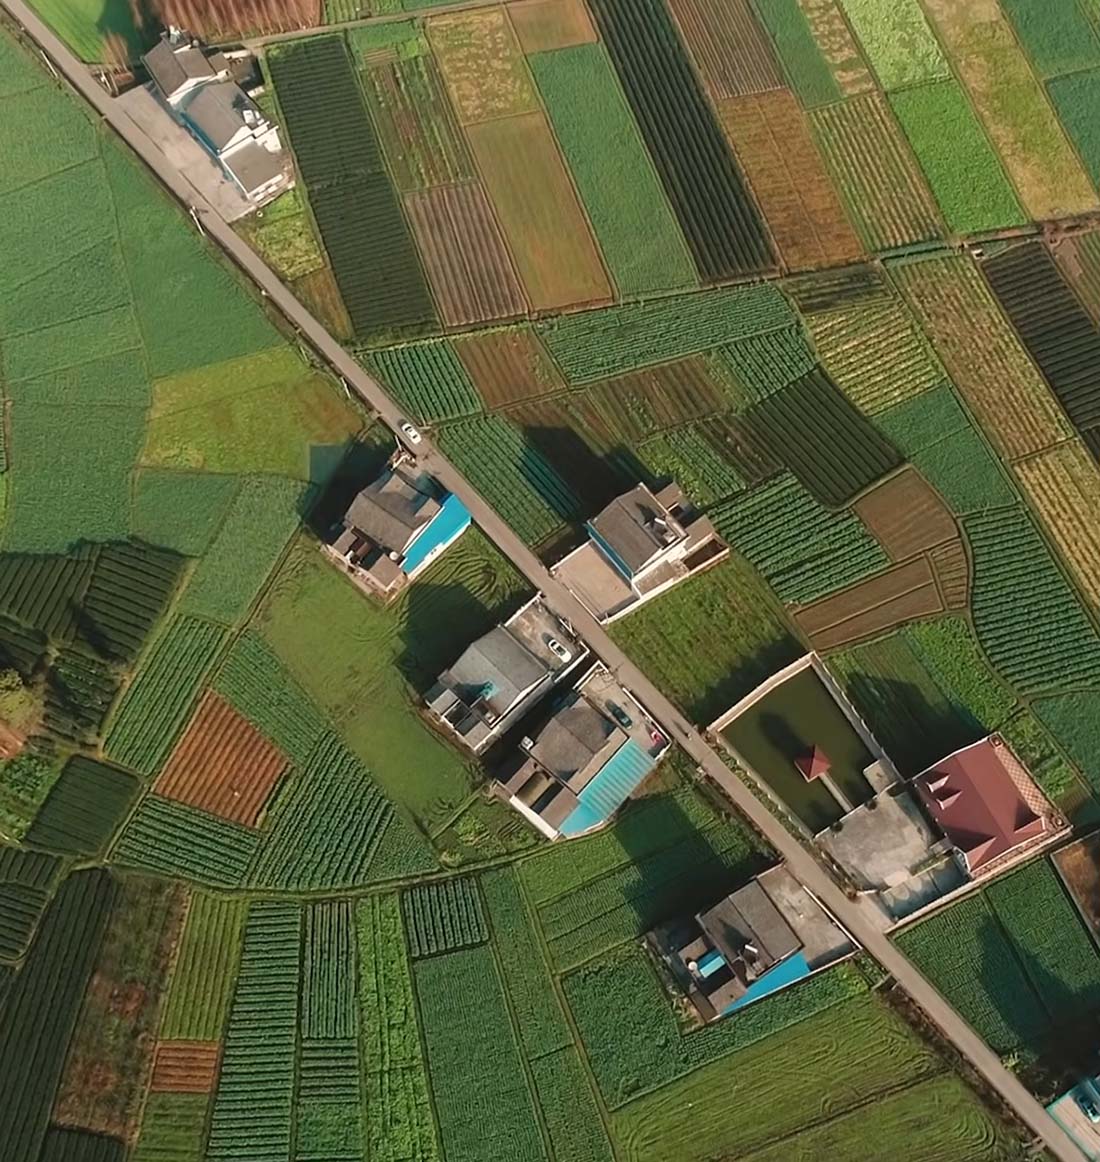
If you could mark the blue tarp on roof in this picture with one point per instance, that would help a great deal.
(452, 520)
(788, 971)
(609, 788)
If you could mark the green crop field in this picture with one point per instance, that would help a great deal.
(640, 238)
(704, 672)
(158, 702)
(558, 234)
(962, 169)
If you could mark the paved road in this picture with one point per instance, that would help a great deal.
(800, 861)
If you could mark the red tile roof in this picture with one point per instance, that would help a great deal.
(813, 763)
(971, 794)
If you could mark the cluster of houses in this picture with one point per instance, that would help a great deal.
(202, 91)
(569, 744)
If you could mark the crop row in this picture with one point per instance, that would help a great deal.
(84, 808)
(1027, 617)
(765, 363)
(591, 345)
(982, 353)
(325, 826)
(79, 692)
(21, 908)
(21, 648)
(1058, 955)
(542, 1026)
(252, 1114)
(172, 1128)
(328, 982)
(964, 952)
(875, 353)
(130, 588)
(427, 379)
(802, 548)
(830, 447)
(45, 592)
(1054, 327)
(42, 1006)
(328, 1070)
(472, 1051)
(401, 1127)
(707, 192)
(157, 702)
(206, 966)
(253, 679)
(173, 839)
(685, 455)
(443, 916)
(518, 481)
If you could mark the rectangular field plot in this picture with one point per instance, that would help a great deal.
(963, 171)
(427, 379)
(876, 173)
(252, 1113)
(730, 49)
(1056, 330)
(156, 704)
(1075, 98)
(772, 141)
(328, 972)
(897, 40)
(1028, 619)
(223, 765)
(1063, 486)
(1056, 34)
(395, 1076)
(875, 353)
(797, 30)
(442, 917)
(482, 64)
(801, 547)
(472, 1052)
(464, 253)
(1012, 105)
(637, 232)
(982, 354)
(538, 211)
(185, 1067)
(546, 25)
(84, 808)
(353, 200)
(508, 366)
(707, 192)
(420, 136)
(593, 345)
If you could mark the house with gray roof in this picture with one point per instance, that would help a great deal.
(396, 526)
(641, 544)
(503, 674)
(767, 935)
(577, 767)
(197, 88)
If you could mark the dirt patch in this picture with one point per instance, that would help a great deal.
(1079, 866)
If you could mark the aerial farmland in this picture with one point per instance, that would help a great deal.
(570, 630)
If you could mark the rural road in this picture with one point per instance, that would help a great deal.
(800, 861)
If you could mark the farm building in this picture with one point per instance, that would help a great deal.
(502, 675)
(764, 937)
(641, 544)
(987, 805)
(396, 526)
(199, 91)
(585, 760)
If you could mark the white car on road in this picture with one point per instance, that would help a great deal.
(410, 433)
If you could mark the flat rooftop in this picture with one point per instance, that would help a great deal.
(587, 573)
(534, 625)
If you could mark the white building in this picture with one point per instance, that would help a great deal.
(198, 89)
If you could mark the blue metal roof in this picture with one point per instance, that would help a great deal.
(451, 520)
(609, 788)
(786, 972)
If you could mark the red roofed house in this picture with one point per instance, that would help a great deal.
(979, 797)
(814, 763)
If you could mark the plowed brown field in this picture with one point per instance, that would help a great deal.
(214, 19)
(906, 515)
(508, 366)
(185, 1066)
(730, 49)
(222, 764)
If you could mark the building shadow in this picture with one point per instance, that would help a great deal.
(594, 479)
(744, 677)
(913, 732)
(338, 472)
